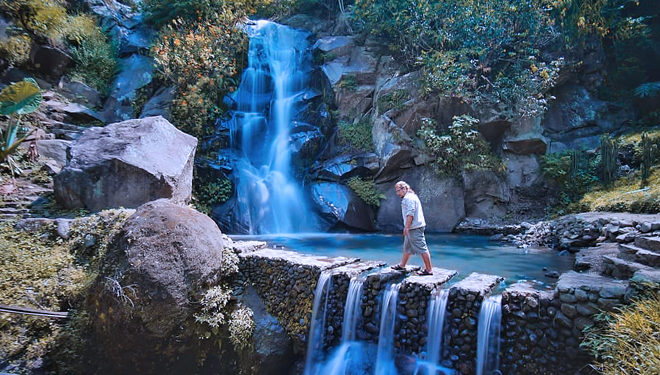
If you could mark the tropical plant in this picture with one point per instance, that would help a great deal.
(646, 146)
(17, 99)
(609, 151)
(460, 148)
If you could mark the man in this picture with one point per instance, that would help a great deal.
(414, 241)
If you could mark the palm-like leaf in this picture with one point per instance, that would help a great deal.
(21, 98)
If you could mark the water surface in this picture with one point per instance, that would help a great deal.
(463, 253)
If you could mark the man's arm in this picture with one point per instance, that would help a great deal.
(409, 220)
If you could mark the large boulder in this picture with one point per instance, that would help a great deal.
(127, 164)
(341, 208)
(142, 303)
(443, 201)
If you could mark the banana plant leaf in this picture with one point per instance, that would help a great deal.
(21, 98)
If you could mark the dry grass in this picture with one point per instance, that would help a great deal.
(626, 195)
(629, 342)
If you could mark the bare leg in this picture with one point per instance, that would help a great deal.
(426, 257)
(404, 259)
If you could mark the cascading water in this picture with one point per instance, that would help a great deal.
(269, 200)
(349, 358)
(352, 309)
(317, 325)
(488, 336)
(436, 319)
(384, 359)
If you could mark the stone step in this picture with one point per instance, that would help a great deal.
(639, 255)
(620, 268)
(648, 243)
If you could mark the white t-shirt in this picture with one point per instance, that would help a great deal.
(411, 206)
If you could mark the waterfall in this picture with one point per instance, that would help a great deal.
(352, 309)
(488, 336)
(317, 325)
(269, 200)
(384, 359)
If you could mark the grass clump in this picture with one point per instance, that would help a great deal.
(627, 341)
(626, 195)
(395, 100)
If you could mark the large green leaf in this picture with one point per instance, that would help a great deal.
(20, 97)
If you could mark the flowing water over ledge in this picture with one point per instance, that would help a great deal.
(463, 253)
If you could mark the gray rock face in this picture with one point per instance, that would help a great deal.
(339, 205)
(486, 195)
(442, 200)
(576, 115)
(272, 347)
(50, 61)
(135, 73)
(127, 164)
(143, 301)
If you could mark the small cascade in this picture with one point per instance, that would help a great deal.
(272, 88)
(384, 358)
(488, 336)
(352, 309)
(317, 325)
(349, 358)
(436, 318)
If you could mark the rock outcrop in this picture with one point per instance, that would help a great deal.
(127, 164)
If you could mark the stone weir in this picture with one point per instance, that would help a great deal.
(540, 330)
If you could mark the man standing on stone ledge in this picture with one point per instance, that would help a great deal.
(414, 241)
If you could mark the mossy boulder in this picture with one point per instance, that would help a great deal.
(149, 287)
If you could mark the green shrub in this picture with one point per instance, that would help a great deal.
(366, 190)
(574, 173)
(357, 135)
(186, 53)
(209, 193)
(94, 56)
(461, 148)
(627, 341)
(483, 51)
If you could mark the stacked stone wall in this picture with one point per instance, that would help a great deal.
(542, 331)
(463, 306)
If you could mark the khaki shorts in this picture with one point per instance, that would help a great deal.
(415, 242)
